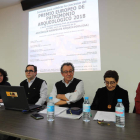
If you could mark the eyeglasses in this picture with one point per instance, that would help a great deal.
(66, 72)
(29, 71)
(111, 83)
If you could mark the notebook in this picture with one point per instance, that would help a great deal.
(14, 97)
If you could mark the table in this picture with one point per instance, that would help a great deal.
(15, 123)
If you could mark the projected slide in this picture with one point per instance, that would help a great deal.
(68, 32)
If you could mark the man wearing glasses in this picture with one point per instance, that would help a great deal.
(106, 97)
(68, 92)
(35, 88)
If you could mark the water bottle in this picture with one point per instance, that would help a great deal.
(50, 110)
(120, 114)
(86, 110)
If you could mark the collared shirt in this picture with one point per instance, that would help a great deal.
(73, 96)
(43, 92)
(30, 83)
(66, 83)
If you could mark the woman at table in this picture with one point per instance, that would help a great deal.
(3, 80)
(106, 97)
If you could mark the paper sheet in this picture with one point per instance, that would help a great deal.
(106, 116)
(58, 110)
(1, 103)
(61, 112)
(69, 116)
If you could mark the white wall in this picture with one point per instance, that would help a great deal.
(119, 37)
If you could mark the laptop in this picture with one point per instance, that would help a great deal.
(14, 97)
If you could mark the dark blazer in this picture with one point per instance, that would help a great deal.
(100, 101)
(4, 84)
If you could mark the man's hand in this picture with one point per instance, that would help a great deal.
(62, 97)
(1, 101)
(61, 102)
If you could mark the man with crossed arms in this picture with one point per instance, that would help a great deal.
(68, 92)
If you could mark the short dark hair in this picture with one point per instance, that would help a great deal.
(111, 74)
(35, 67)
(5, 75)
(66, 64)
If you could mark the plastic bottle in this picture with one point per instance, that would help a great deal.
(120, 114)
(50, 110)
(86, 110)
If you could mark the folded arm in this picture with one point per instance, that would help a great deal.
(61, 99)
(1, 101)
(58, 99)
(77, 94)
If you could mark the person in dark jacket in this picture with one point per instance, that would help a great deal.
(106, 97)
(3, 80)
(35, 88)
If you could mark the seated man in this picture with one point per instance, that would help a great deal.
(106, 97)
(68, 92)
(35, 88)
